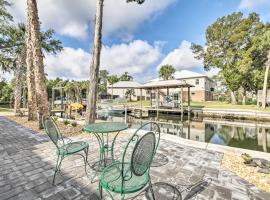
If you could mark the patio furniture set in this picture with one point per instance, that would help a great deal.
(128, 174)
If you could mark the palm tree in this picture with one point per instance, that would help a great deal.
(263, 42)
(94, 68)
(5, 16)
(166, 72)
(264, 96)
(14, 43)
(126, 77)
(112, 80)
(103, 79)
(129, 93)
(19, 81)
(84, 85)
(34, 51)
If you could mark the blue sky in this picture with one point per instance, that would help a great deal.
(136, 38)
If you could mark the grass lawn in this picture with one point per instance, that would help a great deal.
(209, 104)
(134, 103)
(226, 105)
(5, 109)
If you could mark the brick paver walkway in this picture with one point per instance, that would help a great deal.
(27, 162)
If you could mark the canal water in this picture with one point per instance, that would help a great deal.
(241, 134)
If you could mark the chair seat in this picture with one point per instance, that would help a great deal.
(72, 148)
(111, 179)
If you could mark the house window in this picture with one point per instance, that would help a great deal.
(197, 81)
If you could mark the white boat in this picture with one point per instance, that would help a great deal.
(112, 109)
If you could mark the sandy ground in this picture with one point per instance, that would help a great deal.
(235, 163)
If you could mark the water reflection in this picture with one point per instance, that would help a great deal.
(245, 135)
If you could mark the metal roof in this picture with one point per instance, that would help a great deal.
(125, 85)
(184, 74)
(165, 84)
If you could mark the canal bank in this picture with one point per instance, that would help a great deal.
(239, 114)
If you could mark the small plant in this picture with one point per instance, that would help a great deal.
(74, 124)
(55, 118)
(66, 122)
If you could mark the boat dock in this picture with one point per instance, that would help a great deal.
(146, 111)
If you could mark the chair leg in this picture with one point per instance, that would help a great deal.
(151, 189)
(122, 196)
(86, 159)
(57, 168)
(100, 190)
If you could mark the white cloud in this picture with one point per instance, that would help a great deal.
(6, 76)
(181, 58)
(74, 18)
(247, 4)
(69, 64)
(135, 57)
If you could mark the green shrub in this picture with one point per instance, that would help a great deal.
(55, 118)
(66, 122)
(251, 101)
(74, 124)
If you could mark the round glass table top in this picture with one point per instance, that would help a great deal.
(105, 127)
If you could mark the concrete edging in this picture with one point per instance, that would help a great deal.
(215, 147)
(235, 114)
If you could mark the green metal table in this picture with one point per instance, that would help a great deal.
(101, 131)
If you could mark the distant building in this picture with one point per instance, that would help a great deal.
(202, 90)
(260, 97)
(121, 88)
(203, 85)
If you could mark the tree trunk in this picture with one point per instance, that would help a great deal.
(41, 89)
(264, 95)
(19, 82)
(233, 98)
(31, 95)
(244, 97)
(257, 99)
(112, 91)
(94, 69)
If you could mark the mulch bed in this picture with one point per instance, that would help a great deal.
(66, 130)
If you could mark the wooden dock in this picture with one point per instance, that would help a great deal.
(146, 111)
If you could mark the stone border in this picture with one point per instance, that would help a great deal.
(215, 147)
(234, 114)
(209, 146)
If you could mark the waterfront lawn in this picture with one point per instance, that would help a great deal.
(208, 104)
(134, 103)
(225, 105)
(5, 109)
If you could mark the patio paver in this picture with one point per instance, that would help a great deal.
(27, 162)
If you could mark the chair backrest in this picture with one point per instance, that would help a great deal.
(143, 143)
(52, 131)
(143, 154)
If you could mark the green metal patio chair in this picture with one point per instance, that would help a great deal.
(132, 174)
(63, 148)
